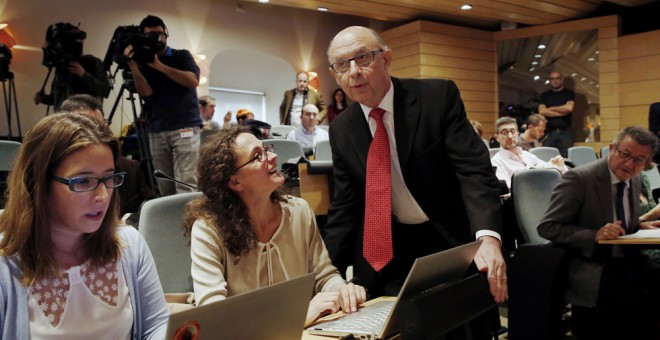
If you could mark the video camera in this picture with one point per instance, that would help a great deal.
(5, 60)
(63, 44)
(145, 46)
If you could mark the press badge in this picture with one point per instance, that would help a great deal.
(186, 133)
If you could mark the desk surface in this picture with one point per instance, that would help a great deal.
(637, 241)
(307, 336)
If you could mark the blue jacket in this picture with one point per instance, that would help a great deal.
(149, 307)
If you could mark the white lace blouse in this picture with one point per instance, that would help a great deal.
(82, 303)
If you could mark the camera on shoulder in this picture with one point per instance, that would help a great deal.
(63, 44)
(145, 46)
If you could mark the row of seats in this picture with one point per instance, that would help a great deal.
(577, 155)
(280, 131)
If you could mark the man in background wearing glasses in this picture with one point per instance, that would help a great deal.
(596, 202)
(439, 171)
(168, 85)
(512, 157)
(557, 106)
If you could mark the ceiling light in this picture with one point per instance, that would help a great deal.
(535, 62)
(547, 82)
(537, 56)
(541, 47)
(597, 52)
(322, 9)
(537, 77)
(466, 7)
(583, 78)
(532, 69)
(264, 1)
(591, 59)
(574, 74)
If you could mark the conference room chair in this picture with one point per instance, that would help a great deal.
(8, 150)
(580, 155)
(161, 225)
(323, 151)
(324, 127)
(537, 272)
(604, 151)
(493, 151)
(285, 149)
(280, 131)
(545, 153)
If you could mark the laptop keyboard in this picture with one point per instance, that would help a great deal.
(370, 319)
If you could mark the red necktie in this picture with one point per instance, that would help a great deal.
(377, 242)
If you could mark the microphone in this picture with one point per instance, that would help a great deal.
(161, 175)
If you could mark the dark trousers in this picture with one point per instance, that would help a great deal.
(628, 302)
(562, 139)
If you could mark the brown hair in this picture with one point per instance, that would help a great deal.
(220, 206)
(25, 221)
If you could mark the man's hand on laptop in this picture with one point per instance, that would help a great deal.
(489, 259)
(347, 298)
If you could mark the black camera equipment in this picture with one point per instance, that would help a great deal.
(9, 90)
(122, 37)
(63, 45)
(144, 46)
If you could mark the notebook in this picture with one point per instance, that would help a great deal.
(378, 320)
(274, 312)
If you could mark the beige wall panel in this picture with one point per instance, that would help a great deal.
(609, 112)
(409, 28)
(633, 117)
(404, 62)
(607, 44)
(476, 85)
(454, 51)
(608, 66)
(404, 40)
(569, 26)
(608, 32)
(444, 29)
(609, 101)
(608, 55)
(641, 68)
(611, 124)
(609, 78)
(478, 96)
(639, 45)
(639, 93)
(456, 62)
(407, 72)
(480, 107)
(406, 51)
(446, 40)
(443, 72)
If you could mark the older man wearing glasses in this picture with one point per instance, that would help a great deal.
(411, 176)
(599, 202)
(512, 157)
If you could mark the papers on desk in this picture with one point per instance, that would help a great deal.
(643, 233)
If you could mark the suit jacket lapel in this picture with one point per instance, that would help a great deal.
(406, 115)
(633, 198)
(604, 188)
(357, 128)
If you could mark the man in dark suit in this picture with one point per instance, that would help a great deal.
(295, 99)
(440, 170)
(585, 209)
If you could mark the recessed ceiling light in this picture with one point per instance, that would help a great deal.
(537, 77)
(537, 56)
(264, 1)
(535, 62)
(591, 59)
(574, 74)
(532, 69)
(541, 47)
(547, 82)
(583, 78)
(466, 7)
(322, 9)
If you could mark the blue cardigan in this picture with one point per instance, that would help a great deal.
(150, 311)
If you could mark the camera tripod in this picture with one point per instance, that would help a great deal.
(141, 132)
(9, 94)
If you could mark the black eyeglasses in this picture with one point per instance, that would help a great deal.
(626, 156)
(83, 184)
(343, 65)
(261, 156)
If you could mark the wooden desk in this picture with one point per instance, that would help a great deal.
(307, 336)
(634, 241)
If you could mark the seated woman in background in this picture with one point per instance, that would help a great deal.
(67, 271)
(337, 106)
(245, 234)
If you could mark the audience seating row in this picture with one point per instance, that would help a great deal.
(280, 131)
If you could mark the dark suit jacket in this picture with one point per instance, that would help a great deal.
(445, 166)
(580, 205)
(654, 118)
(135, 190)
(311, 97)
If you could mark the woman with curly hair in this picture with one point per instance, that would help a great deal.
(67, 270)
(246, 234)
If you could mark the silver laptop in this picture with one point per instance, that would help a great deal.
(378, 320)
(274, 312)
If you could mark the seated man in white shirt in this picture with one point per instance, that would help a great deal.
(308, 134)
(512, 158)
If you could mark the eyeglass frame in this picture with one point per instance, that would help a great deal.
(71, 181)
(508, 132)
(626, 156)
(373, 54)
(259, 156)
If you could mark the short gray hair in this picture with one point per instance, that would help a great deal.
(504, 120)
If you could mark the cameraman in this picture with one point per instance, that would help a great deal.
(80, 74)
(168, 86)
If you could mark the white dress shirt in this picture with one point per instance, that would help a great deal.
(508, 162)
